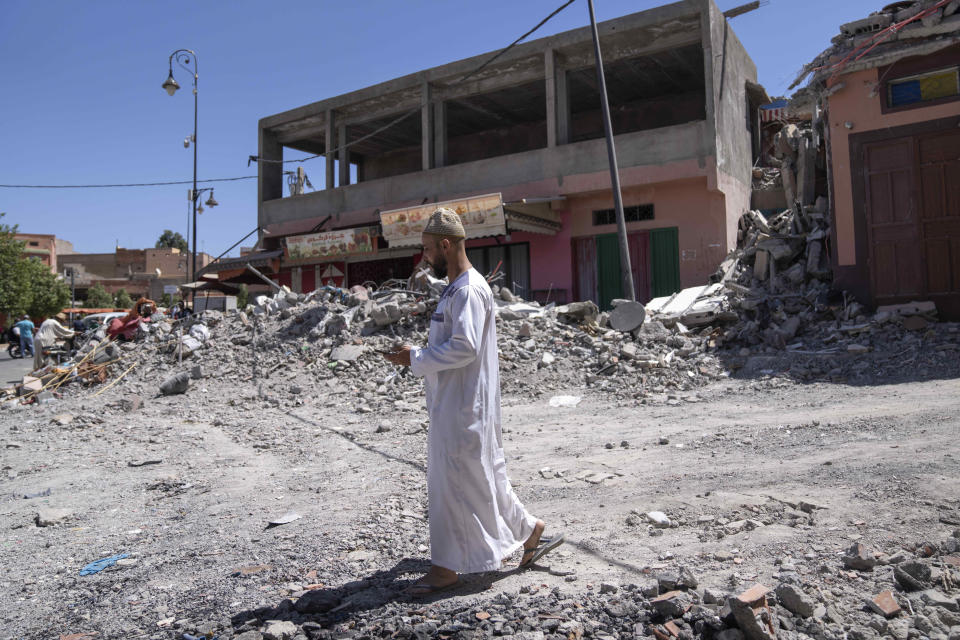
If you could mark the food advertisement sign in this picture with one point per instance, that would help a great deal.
(481, 215)
(331, 245)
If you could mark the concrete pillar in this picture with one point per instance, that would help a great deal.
(426, 128)
(550, 83)
(440, 134)
(269, 174)
(296, 280)
(343, 155)
(562, 101)
(330, 139)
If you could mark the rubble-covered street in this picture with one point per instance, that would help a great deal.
(727, 324)
(682, 473)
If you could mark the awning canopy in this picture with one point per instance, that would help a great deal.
(260, 259)
(208, 285)
(534, 215)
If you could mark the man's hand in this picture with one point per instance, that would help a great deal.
(399, 357)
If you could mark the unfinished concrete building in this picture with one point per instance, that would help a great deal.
(683, 98)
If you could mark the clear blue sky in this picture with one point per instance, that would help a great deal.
(82, 101)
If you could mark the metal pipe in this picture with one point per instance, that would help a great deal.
(626, 274)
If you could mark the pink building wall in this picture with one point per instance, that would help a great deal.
(701, 215)
(858, 103)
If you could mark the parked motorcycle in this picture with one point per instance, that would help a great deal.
(13, 349)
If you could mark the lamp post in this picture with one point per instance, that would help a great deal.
(170, 85)
(211, 202)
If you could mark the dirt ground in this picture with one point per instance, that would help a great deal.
(875, 464)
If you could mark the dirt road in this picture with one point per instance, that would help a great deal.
(759, 477)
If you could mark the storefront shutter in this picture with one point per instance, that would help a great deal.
(608, 267)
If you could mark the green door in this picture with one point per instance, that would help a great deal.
(664, 262)
(608, 269)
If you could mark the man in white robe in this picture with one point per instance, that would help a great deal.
(476, 520)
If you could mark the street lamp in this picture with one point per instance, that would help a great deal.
(170, 85)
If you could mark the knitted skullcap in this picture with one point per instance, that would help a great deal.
(445, 222)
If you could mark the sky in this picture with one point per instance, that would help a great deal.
(82, 101)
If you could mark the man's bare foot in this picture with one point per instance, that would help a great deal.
(531, 544)
(437, 579)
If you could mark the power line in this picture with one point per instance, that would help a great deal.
(393, 122)
(512, 44)
(403, 116)
(407, 114)
(105, 186)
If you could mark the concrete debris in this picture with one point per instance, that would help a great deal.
(796, 601)
(885, 604)
(897, 31)
(752, 613)
(48, 516)
(857, 557)
(175, 384)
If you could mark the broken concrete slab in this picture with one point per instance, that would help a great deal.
(857, 557)
(175, 384)
(346, 352)
(752, 613)
(885, 604)
(672, 604)
(796, 601)
(49, 516)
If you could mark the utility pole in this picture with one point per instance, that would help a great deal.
(626, 275)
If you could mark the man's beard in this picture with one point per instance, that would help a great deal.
(439, 267)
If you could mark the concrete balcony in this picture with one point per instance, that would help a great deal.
(544, 172)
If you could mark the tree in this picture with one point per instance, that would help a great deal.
(14, 283)
(122, 300)
(49, 295)
(172, 240)
(98, 298)
(243, 296)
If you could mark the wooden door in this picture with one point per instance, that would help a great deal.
(639, 244)
(893, 230)
(939, 190)
(585, 269)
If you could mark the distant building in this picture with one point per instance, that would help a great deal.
(42, 247)
(140, 272)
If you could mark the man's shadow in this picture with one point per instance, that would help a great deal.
(329, 606)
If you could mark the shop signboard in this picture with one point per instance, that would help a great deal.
(481, 215)
(329, 246)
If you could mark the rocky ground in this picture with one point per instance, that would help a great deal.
(675, 499)
(261, 476)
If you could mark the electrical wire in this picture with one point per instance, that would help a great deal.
(257, 159)
(879, 38)
(512, 44)
(106, 186)
(407, 114)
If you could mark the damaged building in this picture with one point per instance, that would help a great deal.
(889, 94)
(526, 131)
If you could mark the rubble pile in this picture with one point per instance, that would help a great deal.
(772, 308)
(860, 594)
(335, 337)
(766, 178)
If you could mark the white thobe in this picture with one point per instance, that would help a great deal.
(476, 519)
